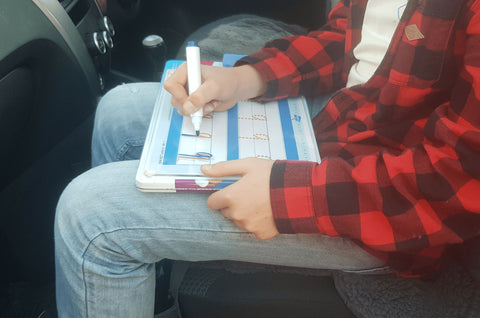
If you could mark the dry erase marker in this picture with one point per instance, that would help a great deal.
(194, 80)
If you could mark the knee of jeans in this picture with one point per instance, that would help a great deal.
(74, 214)
(107, 109)
(110, 117)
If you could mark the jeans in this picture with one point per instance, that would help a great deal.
(121, 122)
(109, 235)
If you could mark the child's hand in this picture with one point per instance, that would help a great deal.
(247, 201)
(221, 88)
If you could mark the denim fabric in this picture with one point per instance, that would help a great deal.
(121, 122)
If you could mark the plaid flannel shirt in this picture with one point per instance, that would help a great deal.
(400, 170)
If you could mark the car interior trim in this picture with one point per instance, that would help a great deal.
(54, 12)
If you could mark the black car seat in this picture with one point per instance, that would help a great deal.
(235, 289)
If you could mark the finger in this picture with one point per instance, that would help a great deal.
(227, 168)
(179, 95)
(206, 93)
(219, 200)
(266, 235)
(176, 103)
(176, 84)
(177, 106)
(180, 112)
(210, 106)
(218, 106)
(227, 213)
(180, 75)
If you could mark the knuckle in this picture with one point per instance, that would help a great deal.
(168, 85)
(197, 99)
(262, 237)
(228, 197)
(175, 102)
(249, 227)
(259, 236)
(235, 216)
(211, 202)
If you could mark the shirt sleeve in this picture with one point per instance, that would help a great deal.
(304, 65)
(405, 207)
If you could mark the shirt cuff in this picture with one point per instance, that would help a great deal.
(291, 197)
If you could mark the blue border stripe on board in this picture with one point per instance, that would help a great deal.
(232, 128)
(173, 140)
(288, 133)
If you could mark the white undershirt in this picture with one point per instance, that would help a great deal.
(381, 20)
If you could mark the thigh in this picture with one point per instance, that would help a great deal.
(121, 122)
(104, 207)
(127, 108)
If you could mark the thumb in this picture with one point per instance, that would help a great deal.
(206, 93)
(226, 168)
(191, 105)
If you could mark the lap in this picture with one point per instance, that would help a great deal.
(105, 204)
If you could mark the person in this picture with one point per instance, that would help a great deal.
(396, 188)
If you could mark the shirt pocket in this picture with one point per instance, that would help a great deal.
(418, 61)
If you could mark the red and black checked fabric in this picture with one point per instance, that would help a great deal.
(400, 170)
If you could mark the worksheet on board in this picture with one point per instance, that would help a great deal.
(173, 153)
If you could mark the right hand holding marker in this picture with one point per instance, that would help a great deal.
(221, 88)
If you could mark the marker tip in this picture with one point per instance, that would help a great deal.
(197, 132)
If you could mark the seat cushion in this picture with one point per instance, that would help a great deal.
(215, 292)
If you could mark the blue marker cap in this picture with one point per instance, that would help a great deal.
(192, 43)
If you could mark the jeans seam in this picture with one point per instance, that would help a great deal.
(129, 229)
(126, 146)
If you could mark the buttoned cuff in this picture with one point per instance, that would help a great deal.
(291, 197)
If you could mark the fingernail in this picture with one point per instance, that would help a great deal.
(206, 167)
(209, 108)
(188, 107)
